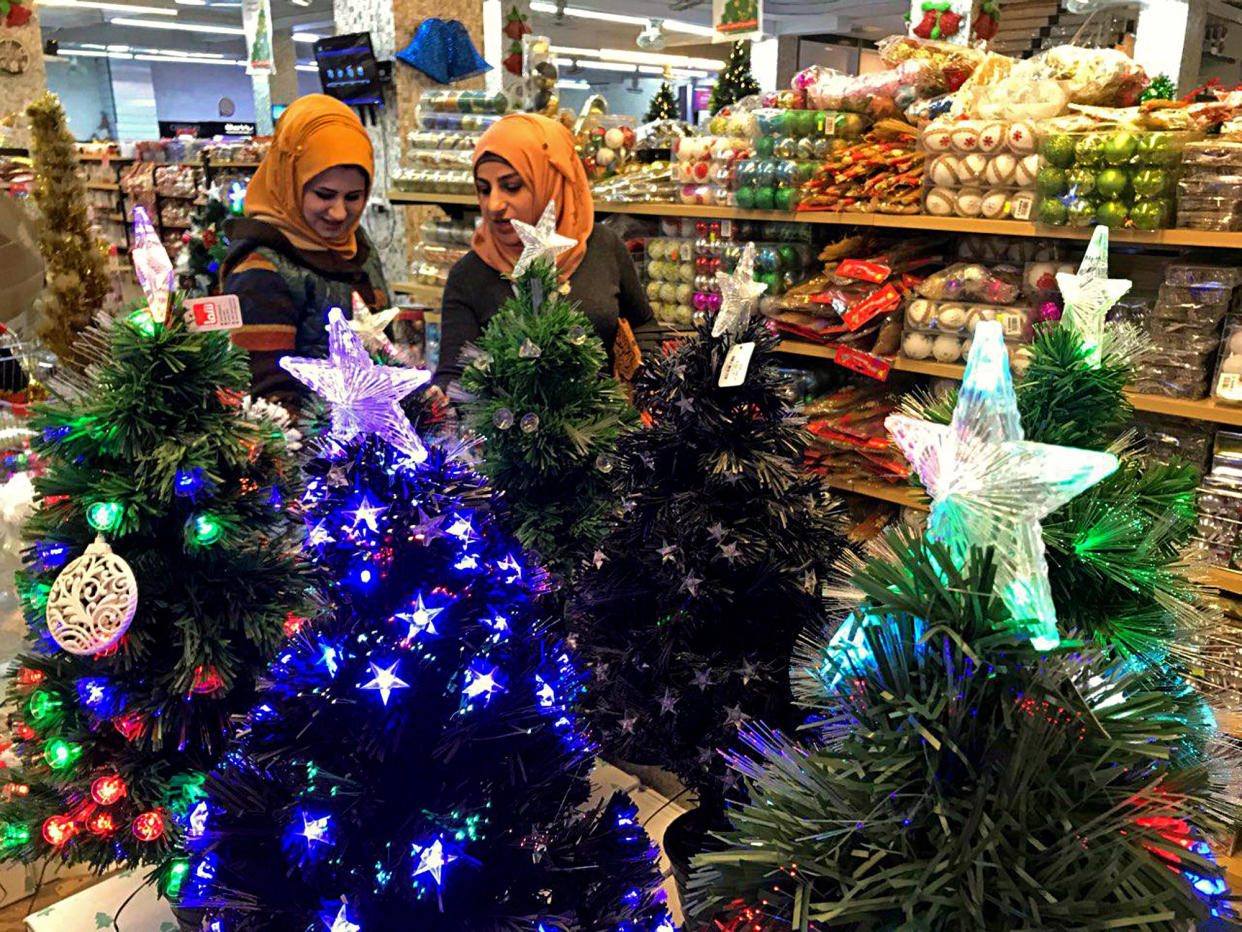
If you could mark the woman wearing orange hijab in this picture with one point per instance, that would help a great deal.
(520, 164)
(299, 251)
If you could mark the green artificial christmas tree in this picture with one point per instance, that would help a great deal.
(965, 769)
(206, 244)
(663, 105)
(549, 416)
(736, 81)
(145, 643)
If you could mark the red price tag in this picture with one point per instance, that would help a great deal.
(220, 312)
(872, 366)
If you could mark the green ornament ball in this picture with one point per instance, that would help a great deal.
(1150, 182)
(788, 256)
(1112, 214)
(1089, 150)
(1151, 215)
(1080, 181)
(765, 198)
(1080, 213)
(764, 145)
(1050, 181)
(1111, 183)
(745, 198)
(785, 198)
(1058, 151)
(1052, 212)
(1119, 148)
(1158, 149)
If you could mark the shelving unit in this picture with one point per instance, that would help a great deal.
(429, 294)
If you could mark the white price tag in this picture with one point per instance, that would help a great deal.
(726, 229)
(220, 312)
(1228, 386)
(736, 364)
(1020, 206)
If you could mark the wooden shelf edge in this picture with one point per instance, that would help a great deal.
(419, 291)
(897, 494)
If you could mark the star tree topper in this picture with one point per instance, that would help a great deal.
(1090, 294)
(370, 325)
(540, 241)
(364, 397)
(990, 487)
(738, 291)
(152, 266)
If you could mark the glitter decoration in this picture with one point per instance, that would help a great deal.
(502, 418)
(152, 265)
(1090, 294)
(92, 602)
(990, 487)
(540, 241)
(530, 422)
(738, 291)
(364, 397)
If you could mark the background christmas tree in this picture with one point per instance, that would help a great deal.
(663, 104)
(76, 282)
(689, 612)
(736, 81)
(549, 415)
(962, 776)
(116, 727)
(206, 246)
(415, 761)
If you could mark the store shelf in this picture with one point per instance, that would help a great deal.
(897, 494)
(430, 294)
(102, 186)
(82, 157)
(164, 224)
(1205, 238)
(214, 164)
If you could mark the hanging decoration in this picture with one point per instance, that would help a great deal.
(92, 601)
(947, 20)
(257, 24)
(152, 266)
(15, 13)
(442, 50)
(1090, 294)
(987, 22)
(990, 487)
(1160, 88)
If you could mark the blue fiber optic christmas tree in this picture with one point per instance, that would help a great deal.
(415, 761)
(967, 768)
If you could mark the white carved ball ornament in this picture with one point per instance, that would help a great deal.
(92, 601)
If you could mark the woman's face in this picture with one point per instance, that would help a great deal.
(504, 197)
(332, 201)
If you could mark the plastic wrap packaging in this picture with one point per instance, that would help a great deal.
(439, 181)
(1166, 439)
(957, 318)
(948, 64)
(964, 281)
(448, 232)
(881, 95)
(978, 168)
(428, 119)
(606, 143)
(433, 149)
(455, 101)
(669, 277)
(882, 173)
(1010, 250)
(950, 348)
(638, 183)
(1209, 194)
(1227, 385)
(1099, 77)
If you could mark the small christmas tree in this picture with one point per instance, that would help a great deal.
(146, 642)
(549, 416)
(76, 281)
(206, 244)
(663, 105)
(961, 777)
(415, 762)
(736, 81)
(691, 607)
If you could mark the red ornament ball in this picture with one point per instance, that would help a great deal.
(149, 826)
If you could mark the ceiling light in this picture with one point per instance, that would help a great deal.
(641, 58)
(92, 53)
(670, 25)
(102, 5)
(306, 68)
(182, 26)
(306, 37)
(187, 60)
(300, 2)
(609, 66)
(573, 85)
(191, 2)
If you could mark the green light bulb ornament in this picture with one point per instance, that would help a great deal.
(105, 516)
(205, 530)
(61, 754)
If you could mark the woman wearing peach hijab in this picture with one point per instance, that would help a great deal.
(520, 164)
(299, 251)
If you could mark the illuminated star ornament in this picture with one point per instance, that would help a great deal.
(364, 397)
(370, 326)
(385, 681)
(432, 859)
(1090, 294)
(339, 921)
(990, 487)
(420, 618)
(738, 291)
(316, 831)
(540, 241)
(152, 266)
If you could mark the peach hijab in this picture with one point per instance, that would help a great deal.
(542, 152)
(316, 133)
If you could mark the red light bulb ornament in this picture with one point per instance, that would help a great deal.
(58, 829)
(101, 823)
(149, 826)
(108, 789)
(206, 680)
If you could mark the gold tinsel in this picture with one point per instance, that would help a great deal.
(77, 283)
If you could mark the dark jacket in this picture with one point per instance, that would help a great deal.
(286, 295)
(605, 287)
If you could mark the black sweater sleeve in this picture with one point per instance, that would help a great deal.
(460, 323)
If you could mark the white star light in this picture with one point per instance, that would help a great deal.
(481, 682)
(420, 618)
(432, 859)
(540, 241)
(341, 923)
(370, 325)
(368, 513)
(385, 681)
(738, 291)
(990, 487)
(315, 831)
(1090, 294)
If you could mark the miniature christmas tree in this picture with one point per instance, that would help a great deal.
(960, 777)
(736, 81)
(147, 641)
(663, 105)
(414, 762)
(206, 244)
(691, 608)
(76, 282)
(549, 416)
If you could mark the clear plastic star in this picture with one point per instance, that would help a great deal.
(540, 241)
(738, 291)
(315, 831)
(364, 397)
(152, 266)
(370, 325)
(385, 681)
(990, 487)
(481, 682)
(341, 922)
(1090, 294)
(432, 859)
(420, 618)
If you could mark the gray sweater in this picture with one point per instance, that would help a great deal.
(605, 287)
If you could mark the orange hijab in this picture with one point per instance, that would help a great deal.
(542, 152)
(316, 133)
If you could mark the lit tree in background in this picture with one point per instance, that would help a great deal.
(548, 415)
(736, 81)
(147, 641)
(414, 762)
(689, 611)
(663, 104)
(206, 244)
(76, 282)
(958, 776)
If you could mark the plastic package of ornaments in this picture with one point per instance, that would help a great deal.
(954, 348)
(881, 173)
(1220, 501)
(670, 276)
(980, 168)
(442, 181)
(426, 118)
(1227, 385)
(880, 95)
(1209, 194)
(448, 232)
(607, 144)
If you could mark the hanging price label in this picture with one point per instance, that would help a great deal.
(736, 364)
(220, 312)
(864, 363)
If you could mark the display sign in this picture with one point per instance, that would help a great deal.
(257, 22)
(348, 70)
(943, 20)
(736, 19)
(205, 129)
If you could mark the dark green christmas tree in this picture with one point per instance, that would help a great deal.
(206, 246)
(549, 417)
(663, 105)
(736, 81)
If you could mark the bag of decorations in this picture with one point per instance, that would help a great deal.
(980, 168)
(881, 173)
(883, 95)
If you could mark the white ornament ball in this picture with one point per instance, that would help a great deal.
(916, 345)
(653, 291)
(951, 317)
(969, 202)
(943, 170)
(977, 314)
(970, 168)
(614, 138)
(1235, 343)
(919, 313)
(965, 139)
(1021, 137)
(937, 138)
(940, 202)
(1000, 169)
(1020, 359)
(947, 349)
(995, 204)
(1024, 173)
(92, 602)
(1232, 365)
(605, 157)
(992, 137)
